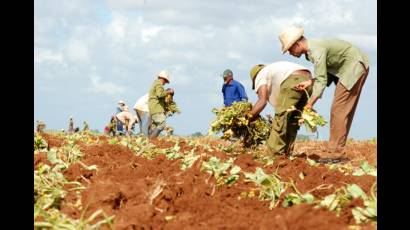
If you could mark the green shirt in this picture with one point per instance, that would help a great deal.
(156, 98)
(338, 58)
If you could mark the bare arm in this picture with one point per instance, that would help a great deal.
(262, 100)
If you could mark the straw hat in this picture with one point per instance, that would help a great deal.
(289, 36)
(121, 102)
(254, 72)
(164, 74)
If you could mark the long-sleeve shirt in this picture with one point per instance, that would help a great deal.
(156, 98)
(233, 92)
(337, 57)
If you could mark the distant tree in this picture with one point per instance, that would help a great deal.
(197, 134)
(94, 131)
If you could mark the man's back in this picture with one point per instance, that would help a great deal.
(156, 103)
(232, 92)
(142, 103)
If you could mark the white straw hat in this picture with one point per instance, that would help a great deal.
(289, 36)
(164, 74)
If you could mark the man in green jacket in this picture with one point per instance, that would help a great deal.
(335, 61)
(156, 103)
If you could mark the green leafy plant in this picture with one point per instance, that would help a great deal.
(232, 122)
(218, 169)
(365, 169)
(171, 106)
(369, 211)
(270, 186)
(39, 143)
(297, 198)
(189, 160)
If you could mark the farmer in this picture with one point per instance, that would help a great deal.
(120, 107)
(70, 126)
(274, 83)
(110, 128)
(232, 90)
(40, 126)
(85, 126)
(142, 111)
(156, 103)
(334, 61)
(125, 118)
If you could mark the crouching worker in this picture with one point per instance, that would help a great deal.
(275, 83)
(125, 119)
(156, 103)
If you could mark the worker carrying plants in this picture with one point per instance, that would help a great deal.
(274, 83)
(335, 61)
(232, 90)
(142, 110)
(156, 103)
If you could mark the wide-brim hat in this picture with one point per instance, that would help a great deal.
(254, 72)
(289, 36)
(165, 75)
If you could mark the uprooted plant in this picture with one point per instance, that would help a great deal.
(232, 122)
(218, 169)
(342, 196)
(171, 106)
(309, 117)
(270, 186)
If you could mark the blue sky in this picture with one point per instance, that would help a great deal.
(89, 54)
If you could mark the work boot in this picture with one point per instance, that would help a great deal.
(155, 132)
(332, 156)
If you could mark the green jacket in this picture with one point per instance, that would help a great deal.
(156, 98)
(338, 58)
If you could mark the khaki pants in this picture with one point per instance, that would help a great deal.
(342, 111)
(158, 121)
(285, 124)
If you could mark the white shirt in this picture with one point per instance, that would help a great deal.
(126, 115)
(142, 103)
(273, 75)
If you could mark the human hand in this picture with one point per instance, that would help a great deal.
(309, 106)
(251, 117)
(303, 85)
(170, 91)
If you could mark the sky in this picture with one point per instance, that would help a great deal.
(88, 54)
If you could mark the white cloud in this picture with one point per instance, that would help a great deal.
(108, 88)
(47, 55)
(233, 55)
(364, 41)
(149, 33)
(77, 51)
(124, 4)
(116, 29)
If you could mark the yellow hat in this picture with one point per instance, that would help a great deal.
(254, 72)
